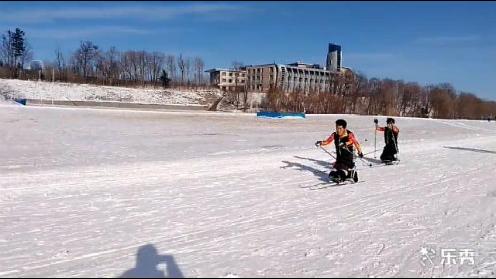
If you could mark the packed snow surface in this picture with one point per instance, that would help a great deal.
(107, 192)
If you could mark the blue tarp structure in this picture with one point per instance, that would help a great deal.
(285, 115)
(21, 101)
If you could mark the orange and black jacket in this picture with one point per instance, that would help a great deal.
(347, 140)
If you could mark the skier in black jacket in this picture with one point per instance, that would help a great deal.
(391, 132)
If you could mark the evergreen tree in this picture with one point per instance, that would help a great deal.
(18, 45)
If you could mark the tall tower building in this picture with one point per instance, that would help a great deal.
(334, 58)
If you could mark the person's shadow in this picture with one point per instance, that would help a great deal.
(321, 174)
(147, 261)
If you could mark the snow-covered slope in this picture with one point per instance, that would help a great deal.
(79, 92)
(87, 192)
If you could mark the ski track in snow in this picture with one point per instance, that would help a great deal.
(229, 195)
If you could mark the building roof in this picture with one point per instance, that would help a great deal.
(262, 65)
(305, 65)
(292, 65)
(220, 69)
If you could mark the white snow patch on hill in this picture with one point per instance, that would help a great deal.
(12, 88)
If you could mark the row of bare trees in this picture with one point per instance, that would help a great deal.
(352, 93)
(89, 63)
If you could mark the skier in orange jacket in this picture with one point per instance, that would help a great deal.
(344, 141)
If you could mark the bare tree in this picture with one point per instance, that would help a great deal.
(60, 64)
(142, 66)
(181, 64)
(157, 61)
(112, 56)
(85, 57)
(469, 106)
(411, 101)
(170, 61)
(442, 100)
(135, 65)
(6, 50)
(187, 68)
(126, 66)
(107, 65)
(199, 65)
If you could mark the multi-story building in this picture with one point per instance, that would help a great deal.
(334, 58)
(297, 76)
(228, 79)
(288, 78)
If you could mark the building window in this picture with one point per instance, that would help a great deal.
(223, 73)
(230, 80)
(223, 80)
(230, 74)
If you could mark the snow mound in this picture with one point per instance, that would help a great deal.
(11, 88)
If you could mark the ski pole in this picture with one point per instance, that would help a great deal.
(327, 152)
(355, 156)
(375, 136)
(369, 152)
(361, 159)
(395, 146)
(365, 163)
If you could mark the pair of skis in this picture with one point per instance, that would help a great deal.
(370, 162)
(332, 183)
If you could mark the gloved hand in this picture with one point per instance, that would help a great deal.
(360, 155)
(318, 143)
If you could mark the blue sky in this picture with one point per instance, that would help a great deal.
(425, 42)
